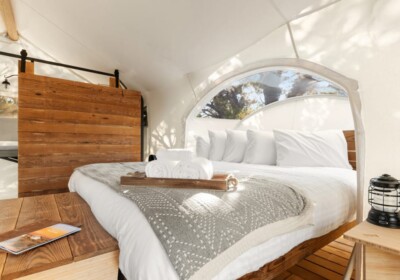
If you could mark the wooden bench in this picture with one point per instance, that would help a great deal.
(90, 254)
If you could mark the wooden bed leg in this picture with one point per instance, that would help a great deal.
(350, 266)
(357, 251)
(120, 275)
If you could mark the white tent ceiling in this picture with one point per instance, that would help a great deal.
(152, 42)
(172, 50)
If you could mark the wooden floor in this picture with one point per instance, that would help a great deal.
(327, 263)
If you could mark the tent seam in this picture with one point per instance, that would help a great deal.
(292, 40)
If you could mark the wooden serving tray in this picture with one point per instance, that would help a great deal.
(218, 182)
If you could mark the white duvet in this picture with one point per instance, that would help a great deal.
(332, 190)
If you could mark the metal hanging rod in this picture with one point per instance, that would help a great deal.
(24, 57)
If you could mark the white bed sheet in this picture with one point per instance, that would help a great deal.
(8, 145)
(143, 257)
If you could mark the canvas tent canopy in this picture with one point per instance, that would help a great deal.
(174, 51)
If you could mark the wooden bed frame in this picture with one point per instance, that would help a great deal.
(298, 253)
(308, 247)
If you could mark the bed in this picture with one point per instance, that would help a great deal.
(8, 149)
(331, 190)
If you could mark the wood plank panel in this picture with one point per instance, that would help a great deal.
(351, 155)
(351, 147)
(38, 185)
(320, 265)
(339, 269)
(35, 172)
(276, 267)
(295, 277)
(306, 273)
(319, 270)
(383, 238)
(38, 208)
(345, 241)
(337, 252)
(54, 88)
(44, 192)
(10, 209)
(32, 100)
(332, 258)
(44, 149)
(73, 159)
(49, 126)
(381, 264)
(53, 254)
(103, 267)
(41, 115)
(68, 105)
(85, 244)
(350, 136)
(65, 124)
(76, 138)
(343, 247)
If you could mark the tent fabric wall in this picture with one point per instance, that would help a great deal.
(357, 38)
(8, 129)
(309, 113)
(363, 46)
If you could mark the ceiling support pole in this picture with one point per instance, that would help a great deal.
(9, 20)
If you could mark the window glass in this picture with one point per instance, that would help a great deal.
(246, 95)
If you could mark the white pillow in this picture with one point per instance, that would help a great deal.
(202, 147)
(235, 146)
(323, 148)
(217, 144)
(260, 148)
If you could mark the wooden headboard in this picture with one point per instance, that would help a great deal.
(65, 124)
(351, 147)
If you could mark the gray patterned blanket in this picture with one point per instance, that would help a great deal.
(203, 230)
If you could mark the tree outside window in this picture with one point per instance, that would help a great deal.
(245, 96)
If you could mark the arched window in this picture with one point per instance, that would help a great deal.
(244, 95)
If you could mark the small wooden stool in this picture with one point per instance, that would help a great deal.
(382, 250)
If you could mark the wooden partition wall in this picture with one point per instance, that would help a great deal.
(65, 124)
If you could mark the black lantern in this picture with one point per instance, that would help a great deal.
(384, 197)
(6, 83)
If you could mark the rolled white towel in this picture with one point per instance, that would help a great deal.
(160, 168)
(175, 154)
(197, 168)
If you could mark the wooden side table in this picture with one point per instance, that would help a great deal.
(89, 254)
(382, 250)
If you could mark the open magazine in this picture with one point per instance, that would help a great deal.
(26, 242)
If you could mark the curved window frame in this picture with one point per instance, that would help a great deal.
(208, 96)
(349, 85)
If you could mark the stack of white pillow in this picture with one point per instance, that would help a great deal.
(326, 148)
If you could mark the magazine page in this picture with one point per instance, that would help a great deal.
(25, 242)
